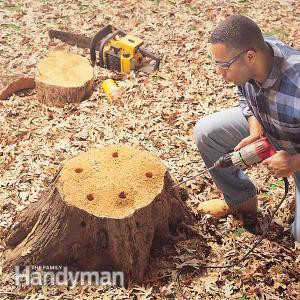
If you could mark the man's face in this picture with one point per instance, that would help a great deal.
(239, 69)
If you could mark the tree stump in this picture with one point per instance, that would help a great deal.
(64, 77)
(105, 211)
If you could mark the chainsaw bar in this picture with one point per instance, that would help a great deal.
(79, 40)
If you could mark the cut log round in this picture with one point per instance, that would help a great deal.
(64, 77)
(105, 211)
(10, 84)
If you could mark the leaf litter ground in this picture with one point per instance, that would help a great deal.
(158, 114)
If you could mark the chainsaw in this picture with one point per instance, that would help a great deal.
(117, 50)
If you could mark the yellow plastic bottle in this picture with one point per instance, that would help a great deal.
(111, 90)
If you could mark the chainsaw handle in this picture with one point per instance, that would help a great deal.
(147, 53)
(102, 45)
(95, 41)
(103, 36)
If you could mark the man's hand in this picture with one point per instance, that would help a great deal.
(282, 164)
(256, 133)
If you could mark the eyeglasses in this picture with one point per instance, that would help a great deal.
(227, 64)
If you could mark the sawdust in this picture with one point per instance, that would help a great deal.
(112, 181)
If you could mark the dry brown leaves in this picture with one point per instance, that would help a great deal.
(158, 115)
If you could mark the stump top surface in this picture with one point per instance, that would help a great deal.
(113, 181)
(64, 69)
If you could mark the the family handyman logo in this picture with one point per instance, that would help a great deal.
(60, 275)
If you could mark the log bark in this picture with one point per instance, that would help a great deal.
(105, 211)
(10, 84)
(64, 77)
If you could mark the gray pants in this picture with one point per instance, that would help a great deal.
(218, 134)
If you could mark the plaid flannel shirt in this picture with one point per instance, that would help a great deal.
(276, 103)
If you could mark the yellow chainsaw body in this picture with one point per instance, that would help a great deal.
(123, 54)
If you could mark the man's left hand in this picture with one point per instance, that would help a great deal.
(281, 164)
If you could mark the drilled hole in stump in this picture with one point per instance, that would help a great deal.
(115, 154)
(78, 170)
(149, 174)
(122, 195)
(90, 197)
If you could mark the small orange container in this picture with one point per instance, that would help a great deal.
(111, 90)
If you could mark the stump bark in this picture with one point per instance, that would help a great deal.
(105, 211)
(64, 77)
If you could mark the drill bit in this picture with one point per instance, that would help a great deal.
(192, 177)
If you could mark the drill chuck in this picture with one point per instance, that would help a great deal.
(224, 161)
